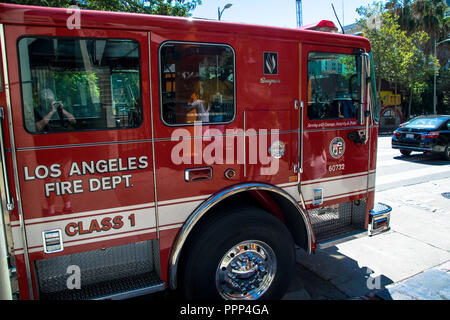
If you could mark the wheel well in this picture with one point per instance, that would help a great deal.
(280, 207)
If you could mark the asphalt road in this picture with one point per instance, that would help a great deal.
(395, 170)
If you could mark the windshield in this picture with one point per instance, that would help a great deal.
(428, 123)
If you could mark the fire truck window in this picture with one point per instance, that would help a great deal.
(73, 84)
(197, 83)
(333, 86)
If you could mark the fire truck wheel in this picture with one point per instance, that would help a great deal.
(245, 255)
(405, 152)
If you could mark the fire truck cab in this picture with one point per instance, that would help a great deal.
(141, 153)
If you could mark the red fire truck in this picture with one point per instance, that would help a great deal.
(142, 153)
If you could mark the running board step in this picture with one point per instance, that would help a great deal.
(117, 289)
(379, 219)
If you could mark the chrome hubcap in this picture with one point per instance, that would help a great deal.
(246, 271)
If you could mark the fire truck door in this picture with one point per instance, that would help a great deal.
(82, 139)
(335, 165)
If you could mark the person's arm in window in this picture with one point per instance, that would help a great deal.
(68, 115)
(43, 120)
(57, 106)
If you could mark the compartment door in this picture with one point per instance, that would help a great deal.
(80, 106)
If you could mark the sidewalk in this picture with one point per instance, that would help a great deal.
(433, 284)
(400, 260)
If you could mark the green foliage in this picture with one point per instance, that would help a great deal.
(69, 84)
(161, 7)
(401, 55)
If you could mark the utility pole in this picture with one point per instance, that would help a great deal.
(299, 13)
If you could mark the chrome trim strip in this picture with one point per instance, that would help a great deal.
(368, 89)
(144, 140)
(371, 141)
(302, 109)
(153, 135)
(83, 145)
(14, 162)
(211, 202)
(245, 144)
(135, 293)
(332, 243)
(9, 200)
(5, 279)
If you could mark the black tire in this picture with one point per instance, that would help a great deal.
(446, 154)
(405, 152)
(210, 245)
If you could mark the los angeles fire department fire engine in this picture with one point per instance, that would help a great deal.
(141, 153)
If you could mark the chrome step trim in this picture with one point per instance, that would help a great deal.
(135, 293)
(358, 235)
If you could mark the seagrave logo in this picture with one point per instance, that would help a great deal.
(337, 147)
(271, 63)
(190, 150)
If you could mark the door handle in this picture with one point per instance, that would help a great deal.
(198, 174)
(357, 136)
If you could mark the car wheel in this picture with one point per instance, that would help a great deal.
(447, 152)
(245, 255)
(405, 152)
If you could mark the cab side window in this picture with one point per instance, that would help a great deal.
(333, 86)
(76, 84)
(197, 83)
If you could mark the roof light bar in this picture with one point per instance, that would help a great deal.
(324, 26)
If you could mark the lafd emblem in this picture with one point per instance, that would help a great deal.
(337, 147)
(277, 149)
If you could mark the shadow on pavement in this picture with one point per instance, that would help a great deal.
(345, 275)
(423, 158)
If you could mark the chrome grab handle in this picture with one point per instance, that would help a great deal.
(198, 174)
(9, 199)
(302, 108)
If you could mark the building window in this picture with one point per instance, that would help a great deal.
(333, 86)
(197, 83)
(76, 84)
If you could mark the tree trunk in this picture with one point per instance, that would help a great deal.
(410, 102)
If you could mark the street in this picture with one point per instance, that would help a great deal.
(416, 188)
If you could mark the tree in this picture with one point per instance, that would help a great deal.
(398, 56)
(426, 15)
(430, 15)
(402, 8)
(161, 7)
(419, 67)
